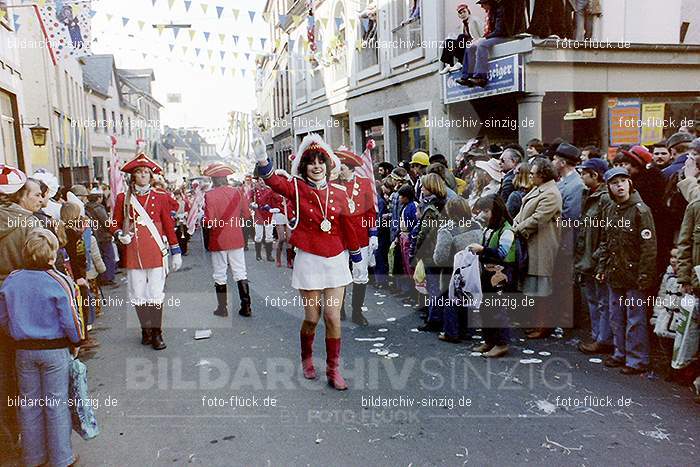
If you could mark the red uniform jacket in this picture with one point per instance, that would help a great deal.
(283, 204)
(364, 218)
(225, 207)
(143, 251)
(308, 235)
(261, 198)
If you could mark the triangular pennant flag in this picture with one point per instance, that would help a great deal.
(188, 4)
(247, 56)
(277, 44)
(144, 55)
(202, 65)
(172, 47)
(212, 69)
(197, 51)
(76, 9)
(235, 40)
(262, 42)
(109, 17)
(236, 12)
(223, 70)
(160, 29)
(236, 55)
(154, 2)
(219, 11)
(141, 25)
(16, 21)
(171, 3)
(92, 12)
(250, 41)
(223, 54)
(210, 52)
(243, 72)
(205, 7)
(176, 31)
(291, 44)
(352, 23)
(252, 16)
(296, 18)
(206, 36)
(338, 22)
(185, 49)
(222, 38)
(192, 34)
(283, 19)
(324, 22)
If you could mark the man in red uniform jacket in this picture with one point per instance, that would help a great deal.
(141, 218)
(363, 218)
(262, 197)
(225, 211)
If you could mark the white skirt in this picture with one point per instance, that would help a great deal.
(313, 272)
(279, 219)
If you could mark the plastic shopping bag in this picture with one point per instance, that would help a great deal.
(465, 285)
(81, 409)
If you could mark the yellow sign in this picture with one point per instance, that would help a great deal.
(652, 123)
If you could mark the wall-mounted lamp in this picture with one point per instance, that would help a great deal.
(38, 132)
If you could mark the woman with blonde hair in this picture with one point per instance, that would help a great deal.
(522, 185)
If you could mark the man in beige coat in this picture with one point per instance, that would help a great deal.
(539, 223)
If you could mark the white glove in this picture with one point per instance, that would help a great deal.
(274, 210)
(253, 205)
(373, 244)
(259, 147)
(125, 239)
(176, 262)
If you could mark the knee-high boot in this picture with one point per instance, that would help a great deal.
(278, 255)
(358, 300)
(307, 363)
(221, 300)
(258, 251)
(333, 364)
(343, 316)
(156, 312)
(268, 251)
(290, 257)
(141, 312)
(244, 295)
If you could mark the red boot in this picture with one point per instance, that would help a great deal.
(278, 256)
(307, 363)
(332, 364)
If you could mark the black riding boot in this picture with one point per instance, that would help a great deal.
(258, 251)
(358, 299)
(141, 312)
(157, 327)
(221, 300)
(268, 251)
(244, 294)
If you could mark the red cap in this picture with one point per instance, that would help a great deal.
(642, 153)
(141, 160)
(348, 158)
(217, 169)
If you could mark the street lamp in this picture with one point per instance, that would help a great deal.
(38, 133)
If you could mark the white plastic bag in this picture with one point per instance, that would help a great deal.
(465, 285)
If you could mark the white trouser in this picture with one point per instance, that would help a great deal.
(221, 260)
(360, 275)
(146, 286)
(267, 229)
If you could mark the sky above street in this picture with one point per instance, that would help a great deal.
(206, 64)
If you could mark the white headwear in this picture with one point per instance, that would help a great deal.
(314, 141)
(71, 198)
(49, 179)
(11, 179)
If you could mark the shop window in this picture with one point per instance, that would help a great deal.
(413, 134)
(408, 30)
(373, 129)
(368, 54)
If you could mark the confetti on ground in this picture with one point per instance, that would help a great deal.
(475, 354)
(369, 339)
(476, 337)
(393, 355)
(378, 344)
(595, 360)
(383, 352)
(544, 353)
(415, 330)
(380, 303)
(383, 330)
(527, 361)
(407, 305)
(528, 351)
(391, 320)
(374, 350)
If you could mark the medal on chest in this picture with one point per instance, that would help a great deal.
(351, 202)
(325, 223)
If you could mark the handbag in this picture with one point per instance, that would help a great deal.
(419, 278)
(82, 413)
